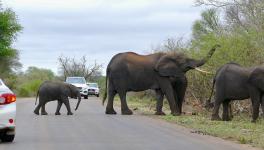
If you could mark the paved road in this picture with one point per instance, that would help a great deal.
(90, 129)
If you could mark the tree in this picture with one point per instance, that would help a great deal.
(208, 24)
(238, 26)
(72, 67)
(39, 73)
(28, 82)
(9, 28)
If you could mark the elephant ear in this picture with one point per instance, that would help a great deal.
(71, 88)
(167, 67)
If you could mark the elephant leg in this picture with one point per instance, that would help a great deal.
(110, 102)
(167, 89)
(36, 111)
(159, 104)
(255, 100)
(262, 105)
(67, 104)
(58, 108)
(41, 102)
(231, 116)
(218, 101)
(255, 114)
(179, 93)
(225, 115)
(124, 108)
(43, 110)
(215, 115)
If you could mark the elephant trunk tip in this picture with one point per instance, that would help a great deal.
(78, 103)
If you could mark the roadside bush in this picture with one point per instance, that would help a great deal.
(29, 89)
(28, 83)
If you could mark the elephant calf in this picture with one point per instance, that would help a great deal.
(50, 91)
(233, 82)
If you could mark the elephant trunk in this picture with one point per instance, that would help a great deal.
(78, 103)
(208, 56)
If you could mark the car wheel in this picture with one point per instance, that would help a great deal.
(85, 96)
(7, 138)
(97, 95)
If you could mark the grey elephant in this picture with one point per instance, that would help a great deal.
(234, 82)
(133, 72)
(51, 90)
(179, 88)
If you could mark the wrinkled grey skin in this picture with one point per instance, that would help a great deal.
(50, 91)
(179, 88)
(132, 72)
(233, 82)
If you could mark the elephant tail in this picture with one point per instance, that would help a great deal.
(106, 81)
(208, 103)
(37, 97)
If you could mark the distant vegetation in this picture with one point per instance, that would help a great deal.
(26, 84)
(238, 26)
(79, 67)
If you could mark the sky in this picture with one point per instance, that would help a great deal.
(98, 29)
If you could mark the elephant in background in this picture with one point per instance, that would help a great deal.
(133, 72)
(234, 82)
(50, 91)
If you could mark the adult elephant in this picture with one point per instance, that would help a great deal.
(179, 88)
(50, 91)
(234, 82)
(133, 72)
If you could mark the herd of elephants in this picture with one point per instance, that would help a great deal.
(165, 73)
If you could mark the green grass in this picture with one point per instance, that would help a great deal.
(240, 129)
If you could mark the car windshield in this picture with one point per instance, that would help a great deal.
(93, 85)
(76, 80)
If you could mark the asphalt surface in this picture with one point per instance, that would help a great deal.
(90, 129)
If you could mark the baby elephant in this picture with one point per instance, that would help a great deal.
(50, 91)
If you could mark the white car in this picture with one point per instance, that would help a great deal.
(93, 89)
(80, 83)
(7, 113)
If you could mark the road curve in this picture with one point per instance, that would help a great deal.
(90, 129)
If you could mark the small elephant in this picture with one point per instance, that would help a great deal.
(50, 91)
(233, 82)
(133, 72)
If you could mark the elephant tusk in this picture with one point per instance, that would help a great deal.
(200, 70)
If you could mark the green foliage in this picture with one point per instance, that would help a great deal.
(29, 88)
(240, 42)
(208, 24)
(39, 73)
(29, 82)
(9, 28)
(101, 83)
(239, 129)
